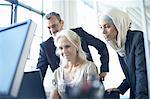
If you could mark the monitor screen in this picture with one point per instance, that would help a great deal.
(15, 43)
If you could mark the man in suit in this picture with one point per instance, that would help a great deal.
(47, 55)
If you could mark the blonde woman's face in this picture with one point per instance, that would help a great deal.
(109, 31)
(67, 49)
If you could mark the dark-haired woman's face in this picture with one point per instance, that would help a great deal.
(109, 31)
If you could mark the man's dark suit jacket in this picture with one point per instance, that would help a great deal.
(134, 67)
(48, 56)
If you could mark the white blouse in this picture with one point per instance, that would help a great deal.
(85, 72)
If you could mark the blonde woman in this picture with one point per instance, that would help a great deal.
(74, 68)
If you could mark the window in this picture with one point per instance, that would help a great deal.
(5, 18)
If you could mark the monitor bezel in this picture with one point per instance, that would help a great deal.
(19, 71)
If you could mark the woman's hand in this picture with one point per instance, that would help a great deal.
(54, 94)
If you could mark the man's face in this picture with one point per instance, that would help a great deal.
(55, 25)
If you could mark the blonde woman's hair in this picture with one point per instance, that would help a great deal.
(74, 39)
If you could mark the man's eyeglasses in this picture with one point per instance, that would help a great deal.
(54, 26)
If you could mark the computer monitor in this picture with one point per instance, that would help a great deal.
(32, 86)
(15, 43)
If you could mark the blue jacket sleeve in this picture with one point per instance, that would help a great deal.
(140, 70)
(124, 86)
(42, 61)
(101, 48)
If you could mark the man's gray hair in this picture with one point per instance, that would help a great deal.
(49, 15)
